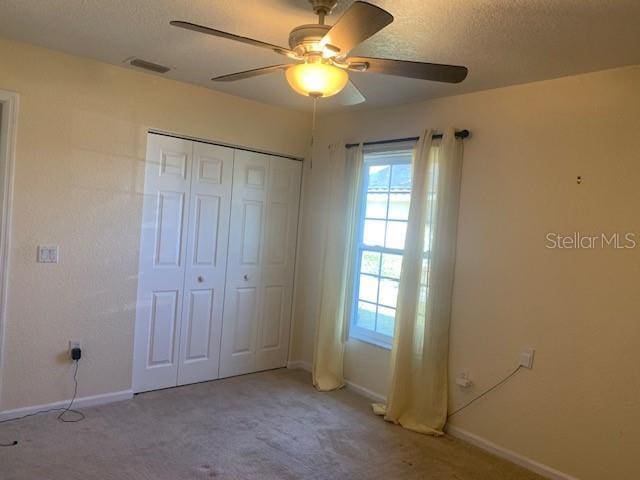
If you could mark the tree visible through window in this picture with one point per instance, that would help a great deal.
(385, 195)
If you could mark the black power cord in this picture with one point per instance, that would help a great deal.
(63, 410)
(485, 392)
(79, 415)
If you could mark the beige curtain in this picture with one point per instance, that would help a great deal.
(342, 180)
(417, 397)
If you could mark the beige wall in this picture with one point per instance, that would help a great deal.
(79, 173)
(78, 184)
(578, 410)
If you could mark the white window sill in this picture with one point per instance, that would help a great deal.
(370, 339)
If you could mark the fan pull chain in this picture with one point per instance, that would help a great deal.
(313, 129)
(313, 119)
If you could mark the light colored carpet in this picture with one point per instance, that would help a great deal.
(269, 425)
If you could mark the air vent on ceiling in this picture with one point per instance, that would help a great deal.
(153, 67)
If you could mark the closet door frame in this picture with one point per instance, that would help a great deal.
(9, 103)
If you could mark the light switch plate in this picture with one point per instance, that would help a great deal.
(47, 253)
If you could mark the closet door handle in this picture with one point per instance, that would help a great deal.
(200, 279)
(246, 277)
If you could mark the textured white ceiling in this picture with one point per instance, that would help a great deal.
(502, 42)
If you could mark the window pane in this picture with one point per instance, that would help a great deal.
(386, 321)
(399, 206)
(366, 317)
(370, 262)
(424, 273)
(368, 288)
(428, 237)
(401, 177)
(422, 306)
(391, 265)
(374, 232)
(379, 177)
(376, 205)
(388, 292)
(396, 232)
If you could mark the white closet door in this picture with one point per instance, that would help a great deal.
(162, 253)
(260, 263)
(206, 259)
(278, 263)
(183, 252)
(239, 328)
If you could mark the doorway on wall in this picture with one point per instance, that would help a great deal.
(8, 120)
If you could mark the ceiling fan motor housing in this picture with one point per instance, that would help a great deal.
(305, 39)
(323, 7)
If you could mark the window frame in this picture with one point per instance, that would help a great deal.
(386, 154)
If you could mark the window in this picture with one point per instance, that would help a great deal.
(383, 211)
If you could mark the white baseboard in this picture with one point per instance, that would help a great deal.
(299, 365)
(513, 457)
(479, 442)
(82, 402)
(365, 392)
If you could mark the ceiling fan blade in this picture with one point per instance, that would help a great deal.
(230, 36)
(359, 22)
(402, 68)
(351, 95)
(249, 73)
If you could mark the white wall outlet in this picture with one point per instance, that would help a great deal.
(526, 358)
(74, 344)
(47, 253)
(462, 380)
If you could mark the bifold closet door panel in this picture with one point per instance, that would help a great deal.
(260, 266)
(162, 253)
(242, 296)
(205, 263)
(278, 264)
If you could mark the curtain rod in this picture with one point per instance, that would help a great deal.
(462, 134)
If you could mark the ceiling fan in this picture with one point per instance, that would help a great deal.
(320, 53)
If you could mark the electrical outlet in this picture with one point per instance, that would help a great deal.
(526, 358)
(462, 380)
(47, 254)
(75, 350)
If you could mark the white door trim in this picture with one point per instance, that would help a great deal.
(8, 136)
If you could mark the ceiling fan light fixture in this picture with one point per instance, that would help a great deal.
(322, 53)
(316, 79)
